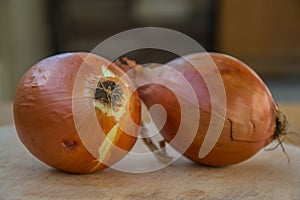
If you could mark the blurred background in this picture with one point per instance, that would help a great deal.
(263, 33)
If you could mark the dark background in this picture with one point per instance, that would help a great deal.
(264, 34)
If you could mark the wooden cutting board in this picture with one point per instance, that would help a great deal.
(267, 175)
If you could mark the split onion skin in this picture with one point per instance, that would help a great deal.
(44, 117)
(252, 118)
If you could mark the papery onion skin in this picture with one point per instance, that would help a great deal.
(44, 117)
(251, 115)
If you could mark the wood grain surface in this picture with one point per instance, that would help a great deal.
(267, 175)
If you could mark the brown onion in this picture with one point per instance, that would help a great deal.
(64, 101)
(252, 118)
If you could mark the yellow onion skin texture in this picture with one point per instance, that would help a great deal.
(251, 115)
(44, 115)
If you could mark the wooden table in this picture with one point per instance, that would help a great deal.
(267, 175)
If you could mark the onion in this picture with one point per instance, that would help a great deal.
(252, 120)
(75, 112)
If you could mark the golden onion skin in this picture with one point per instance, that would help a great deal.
(250, 122)
(44, 117)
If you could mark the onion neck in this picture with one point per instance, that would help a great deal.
(126, 64)
(132, 68)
